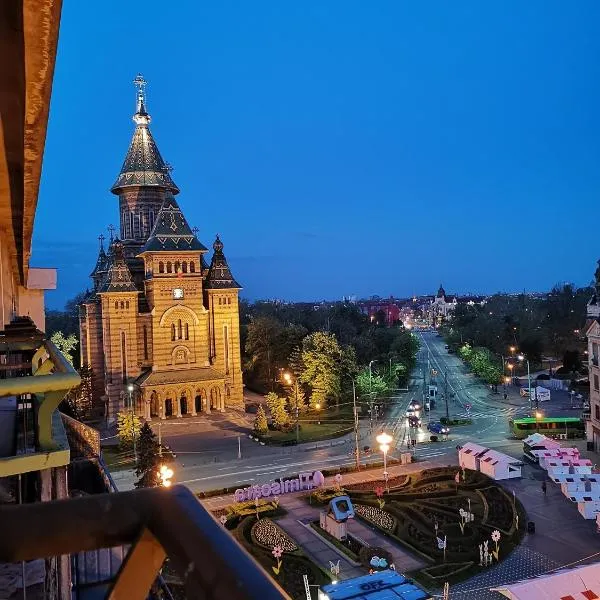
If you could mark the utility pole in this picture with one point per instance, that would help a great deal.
(446, 394)
(297, 426)
(357, 451)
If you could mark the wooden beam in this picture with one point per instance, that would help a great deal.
(139, 570)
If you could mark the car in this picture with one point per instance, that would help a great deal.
(414, 405)
(414, 421)
(446, 347)
(436, 427)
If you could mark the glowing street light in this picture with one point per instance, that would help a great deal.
(384, 440)
(165, 474)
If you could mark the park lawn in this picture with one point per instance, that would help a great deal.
(117, 460)
(309, 432)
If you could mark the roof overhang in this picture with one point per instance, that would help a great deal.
(28, 40)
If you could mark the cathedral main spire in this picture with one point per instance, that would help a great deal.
(143, 165)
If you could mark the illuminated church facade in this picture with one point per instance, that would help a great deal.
(160, 329)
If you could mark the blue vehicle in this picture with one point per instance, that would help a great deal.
(438, 428)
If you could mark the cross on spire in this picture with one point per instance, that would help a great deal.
(140, 84)
(101, 238)
(111, 229)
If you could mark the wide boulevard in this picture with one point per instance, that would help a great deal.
(216, 451)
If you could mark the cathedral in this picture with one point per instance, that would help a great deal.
(160, 329)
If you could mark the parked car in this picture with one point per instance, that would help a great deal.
(436, 427)
(446, 347)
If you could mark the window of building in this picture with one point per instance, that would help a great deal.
(187, 332)
(597, 412)
(145, 342)
(219, 300)
(184, 267)
(131, 220)
(595, 354)
(151, 219)
(179, 329)
(161, 267)
(192, 267)
(173, 332)
(169, 267)
(596, 383)
(177, 267)
(127, 304)
(123, 357)
(116, 305)
(226, 344)
(122, 304)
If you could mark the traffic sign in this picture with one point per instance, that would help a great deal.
(468, 406)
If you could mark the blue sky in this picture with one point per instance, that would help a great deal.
(339, 147)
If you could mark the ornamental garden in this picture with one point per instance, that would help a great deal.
(459, 522)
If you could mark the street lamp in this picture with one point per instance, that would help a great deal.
(130, 390)
(356, 450)
(371, 390)
(289, 380)
(384, 440)
(165, 474)
(522, 358)
(538, 416)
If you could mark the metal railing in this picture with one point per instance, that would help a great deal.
(158, 523)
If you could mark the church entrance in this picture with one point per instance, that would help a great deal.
(183, 405)
(198, 402)
(168, 407)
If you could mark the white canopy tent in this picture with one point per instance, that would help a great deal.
(562, 584)
(500, 466)
(469, 454)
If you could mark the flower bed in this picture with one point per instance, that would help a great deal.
(293, 565)
(432, 506)
(268, 535)
(369, 486)
(376, 515)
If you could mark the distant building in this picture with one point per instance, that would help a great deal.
(385, 311)
(441, 306)
(593, 337)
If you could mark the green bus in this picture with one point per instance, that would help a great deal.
(557, 427)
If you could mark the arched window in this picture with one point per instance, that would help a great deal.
(219, 299)
(187, 332)
(179, 331)
(161, 267)
(116, 305)
(173, 332)
(169, 267)
(192, 267)
(127, 304)
(122, 304)
(184, 267)
(177, 267)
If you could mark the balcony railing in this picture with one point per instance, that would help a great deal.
(158, 523)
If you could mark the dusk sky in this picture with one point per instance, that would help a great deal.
(338, 148)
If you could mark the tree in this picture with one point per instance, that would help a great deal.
(66, 345)
(128, 426)
(278, 410)
(260, 422)
(80, 398)
(365, 384)
(148, 463)
(322, 356)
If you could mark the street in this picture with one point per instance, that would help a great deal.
(209, 448)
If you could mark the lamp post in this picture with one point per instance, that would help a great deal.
(130, 390)
(522, 358)
(371, 391)
(356, 450)
(384, 440)
(288, 380)
(538, 416)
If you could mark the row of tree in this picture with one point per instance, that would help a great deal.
(551, 325)
(483, 363)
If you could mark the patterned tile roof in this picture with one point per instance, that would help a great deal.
(171, 231)
(118, 278)
(143, 165)
(151, 378)
(101, 264)
(219, 275)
